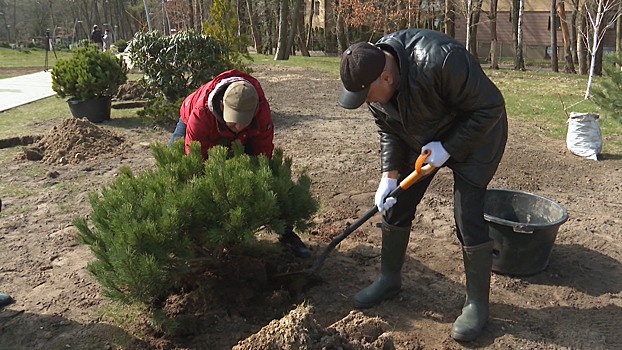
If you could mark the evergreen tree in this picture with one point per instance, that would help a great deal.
(608, 95)
(147, 229)
(225, 29)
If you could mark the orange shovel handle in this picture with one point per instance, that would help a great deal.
(420, 170)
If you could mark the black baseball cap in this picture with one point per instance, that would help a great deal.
(361, 64)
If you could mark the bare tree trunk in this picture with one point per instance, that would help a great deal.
(300, 31)
(293, 26)
(254, 31)
(96, 17)
(474, 23)
(619, 27)
(450, 18)
(342, 40)
(197, 11)
(492, 15)
(573, 31)
(304, 51)
(519, 60)
(561, 12)
(403, 22)
(554, 64)
(469, 24)
(581, 47)
(310, 33)
(281, 48)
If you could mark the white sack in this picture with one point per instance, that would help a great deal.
(584, 138)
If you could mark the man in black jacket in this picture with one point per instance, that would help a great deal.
(97, 37)
(426, 92)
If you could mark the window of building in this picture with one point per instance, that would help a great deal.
(316, 8)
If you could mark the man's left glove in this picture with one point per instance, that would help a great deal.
(438, 155)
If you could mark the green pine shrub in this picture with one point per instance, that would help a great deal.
(608, 93)
(146, 230)
(90, 73)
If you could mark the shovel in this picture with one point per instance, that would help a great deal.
(403, 186)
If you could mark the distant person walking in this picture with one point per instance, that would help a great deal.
(107, 39)
(97, 37)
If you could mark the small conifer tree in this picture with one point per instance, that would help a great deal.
(224, 27)
(608, 94)
(147, 229)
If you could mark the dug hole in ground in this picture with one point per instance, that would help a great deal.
(575, 303)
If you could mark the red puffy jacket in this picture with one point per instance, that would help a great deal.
(208, 127)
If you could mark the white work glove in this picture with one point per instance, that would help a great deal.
(386, 186)
(438, 155)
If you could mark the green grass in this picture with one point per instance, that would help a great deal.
(23, 120)
(538, 100)
(30, 57)
(18, 121)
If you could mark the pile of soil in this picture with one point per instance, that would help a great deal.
(132, 90)
(76, 140)
(298, 330)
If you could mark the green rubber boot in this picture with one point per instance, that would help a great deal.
(477, 266)
(389, 282)
(5, 299)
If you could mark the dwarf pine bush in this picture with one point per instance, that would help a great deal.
(146, 229)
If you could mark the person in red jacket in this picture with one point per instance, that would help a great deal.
(230, 107)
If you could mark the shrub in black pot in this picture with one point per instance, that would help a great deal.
(89, 79)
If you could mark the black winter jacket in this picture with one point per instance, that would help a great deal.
(443, 95)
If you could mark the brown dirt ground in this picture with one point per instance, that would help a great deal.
(575, 303)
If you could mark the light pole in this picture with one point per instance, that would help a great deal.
(73, 37)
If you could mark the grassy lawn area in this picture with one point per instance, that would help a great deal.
(29, 57)
(15, 121)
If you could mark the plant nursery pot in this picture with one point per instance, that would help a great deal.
(96, 111)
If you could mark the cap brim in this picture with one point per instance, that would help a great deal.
(230, 115)
(352, 100)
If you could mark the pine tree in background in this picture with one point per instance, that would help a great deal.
(608, 94)
(224, 28)
(147, 229)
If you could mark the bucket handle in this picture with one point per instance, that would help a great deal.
(523, 229)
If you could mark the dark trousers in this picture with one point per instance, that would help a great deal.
(180, 131)
(472, 229)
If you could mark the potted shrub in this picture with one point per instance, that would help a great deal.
(89, 78)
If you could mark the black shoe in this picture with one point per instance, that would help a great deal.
(291, 240)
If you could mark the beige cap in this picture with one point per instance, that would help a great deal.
(240, 102)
